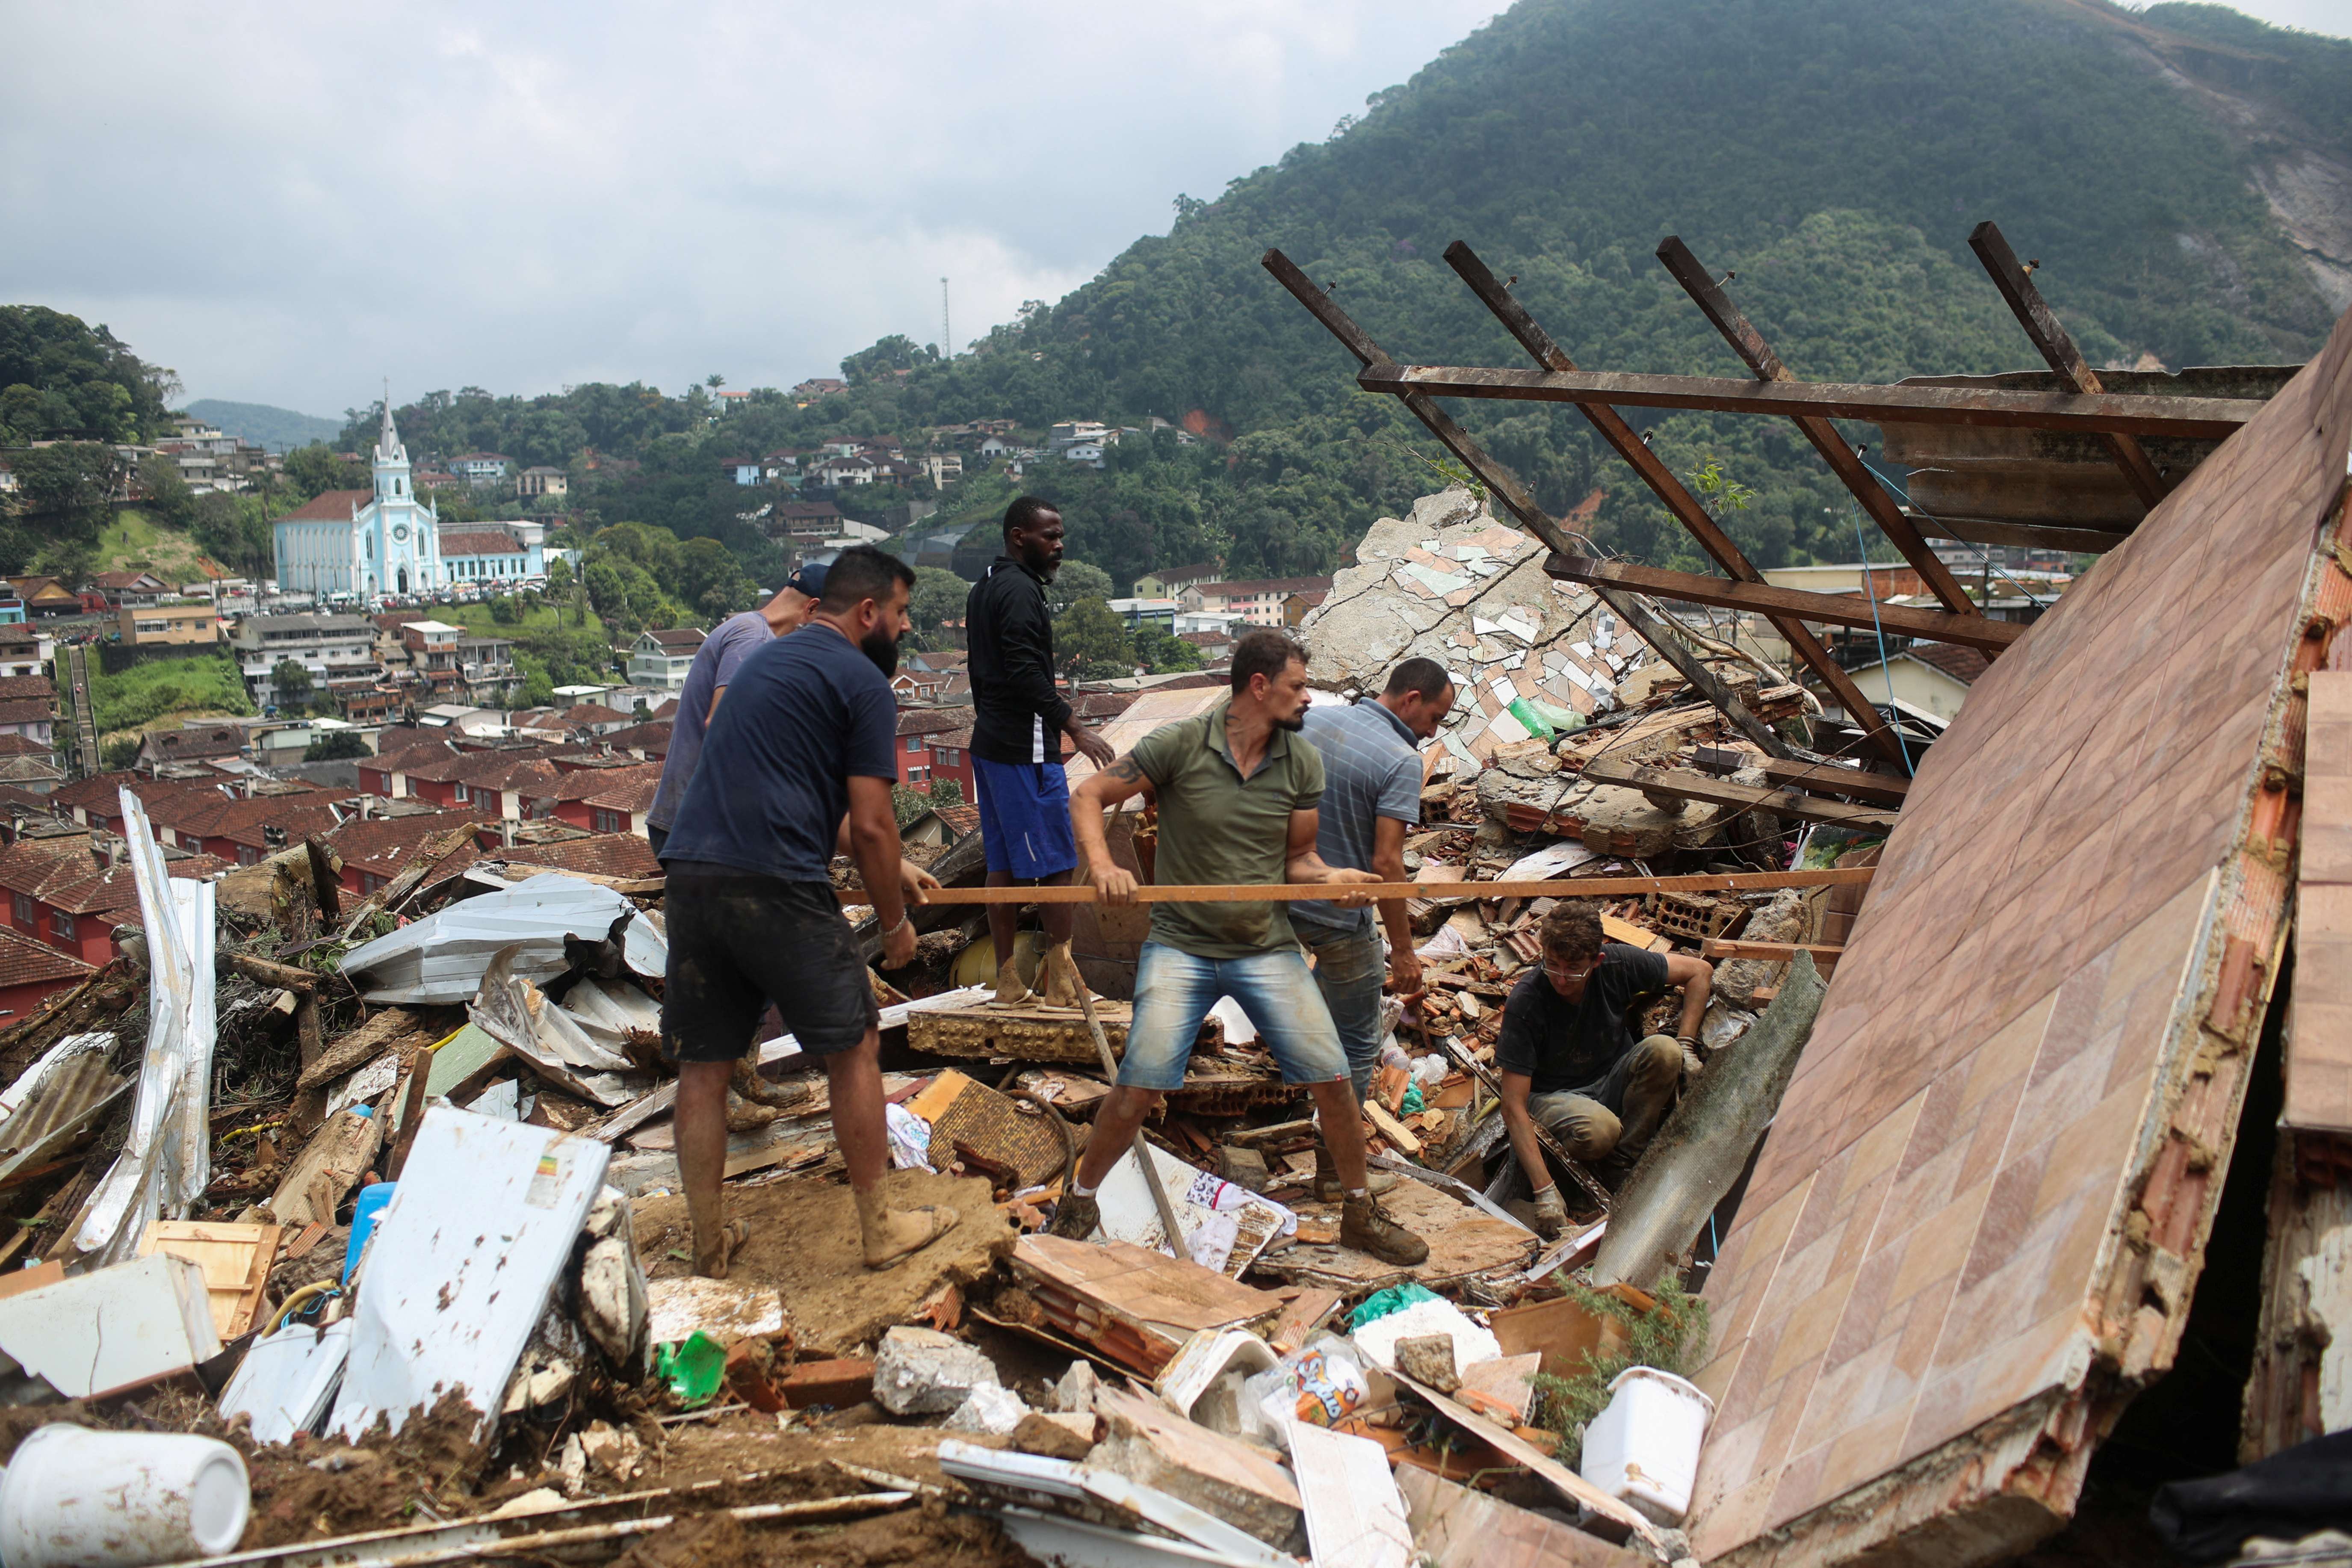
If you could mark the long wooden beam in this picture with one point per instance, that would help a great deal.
(1879, 789)
(1684, 785)
(1294, 892)
(1610, 425)
(2197, 418)
(2057, 346)
(1843, 461)
(1837, 609)
(1719, 947)
(1516, 497)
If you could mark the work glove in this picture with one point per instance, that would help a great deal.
(1551, 1214)
(1692, 1058)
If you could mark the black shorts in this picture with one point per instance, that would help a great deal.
(738, 941)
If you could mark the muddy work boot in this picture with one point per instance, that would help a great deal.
(1010, 991)
(1064, 987)
(1329, 1189)
(1366, 1227)
(1076, 1218)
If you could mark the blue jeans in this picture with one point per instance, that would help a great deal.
(1174, 990)
(1349, 970)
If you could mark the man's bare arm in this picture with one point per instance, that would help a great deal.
(1696, 977)
(1520, 1125)
(1301, 863)
(1122, 780)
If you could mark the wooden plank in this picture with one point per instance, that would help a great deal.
(1682, 783)
(1716, 947)
(1668, 487)
(1872, 497)
(1515, 498)
(1456, 1526)
(1389, 1128)
(1979, 632)
(634, 1115)
(1632, 935)
(2057, 346)
(235, 1259)
(1882, 789)
(2196, 418)
(1567, 1482)
(1284, 892)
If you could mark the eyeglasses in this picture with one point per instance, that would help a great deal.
(1578, 971)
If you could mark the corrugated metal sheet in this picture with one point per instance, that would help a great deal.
(61, 1110)
(441, 957)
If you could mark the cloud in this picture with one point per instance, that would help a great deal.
(286, 204)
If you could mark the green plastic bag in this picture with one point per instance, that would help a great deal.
(1412, 1101)
(694, 1367)
(1381, 1303)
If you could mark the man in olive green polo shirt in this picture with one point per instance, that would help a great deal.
(1238, 791)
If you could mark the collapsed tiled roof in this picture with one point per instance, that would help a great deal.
(622, 854)
(383, 844)
(1972, 1234)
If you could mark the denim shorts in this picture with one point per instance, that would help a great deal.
(1174, 990)
(1349, 969)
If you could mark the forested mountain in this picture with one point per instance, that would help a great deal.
(2171, 169)
(260, 423)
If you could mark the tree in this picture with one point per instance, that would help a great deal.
(68, 487)
(1077, 580)
(946, 792)
(1090, 639)
(291, 682)
(119, 753)
(335, 746)
(1163, 652)
(938, 599)
(169, 499)
(315, 469)
(710, 579)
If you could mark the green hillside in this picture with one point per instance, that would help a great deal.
(1834, 152)
(258, 422)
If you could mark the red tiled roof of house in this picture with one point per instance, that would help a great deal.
(28, 711)
(1962, 664)
(669, 709)
(477, 542)
(18, 687)
(329, 506)
(622, 855)
(963, 819)
(534, 776)
(652, 737)
(98, 793)
(383, 844)
(631, 795)
(931, 721)
(590, 713)
(294, 822)
(679, 637)
(465, 767)
(26, 960)
(1262, 585)
(586, 783)
(184, 745)
(12, 744)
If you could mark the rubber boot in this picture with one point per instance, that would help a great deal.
(1366, 1227)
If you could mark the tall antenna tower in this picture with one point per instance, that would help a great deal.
(947, 337)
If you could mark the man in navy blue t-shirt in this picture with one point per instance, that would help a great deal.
(799, 760)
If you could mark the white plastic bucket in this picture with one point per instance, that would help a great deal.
(1643, 1448)
(73, 1497)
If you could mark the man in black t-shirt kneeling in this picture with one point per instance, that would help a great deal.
(1569, 1061)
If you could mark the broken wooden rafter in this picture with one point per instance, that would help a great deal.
(2195, 418)
(1695, 518)
(1981, 632)
(1715, 947)
(2057, 346)
(1505, 486)
(1682, 783)
(1843, 461)
(1878, 789)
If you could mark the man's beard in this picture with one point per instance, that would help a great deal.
(882, 648)
(1295, 724)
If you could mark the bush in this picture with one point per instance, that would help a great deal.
(335, 746)
(1671, 1337)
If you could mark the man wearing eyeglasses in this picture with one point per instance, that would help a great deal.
(1569, 1061)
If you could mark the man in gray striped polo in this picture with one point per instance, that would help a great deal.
(1371, 796)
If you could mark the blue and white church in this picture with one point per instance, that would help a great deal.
(362, 544)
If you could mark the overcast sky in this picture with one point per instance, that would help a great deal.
(286, 204)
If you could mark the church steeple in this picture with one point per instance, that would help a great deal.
(392, 476)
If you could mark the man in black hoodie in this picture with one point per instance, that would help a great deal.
(1018, 722)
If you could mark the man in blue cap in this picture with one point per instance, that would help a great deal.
(722, 652)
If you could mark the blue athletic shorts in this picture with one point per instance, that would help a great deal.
(1025, 817)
